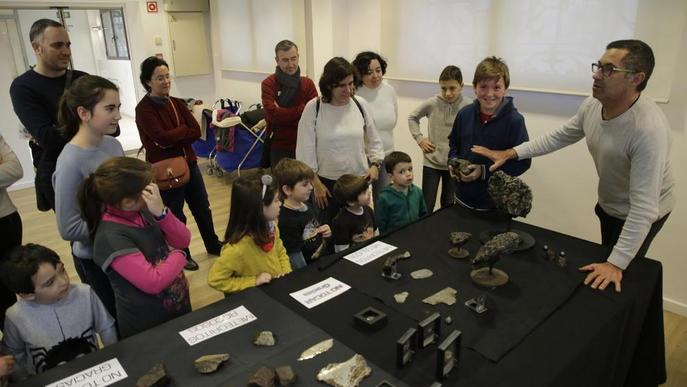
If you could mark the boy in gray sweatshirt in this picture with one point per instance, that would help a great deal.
(441, 111)
(53, 321)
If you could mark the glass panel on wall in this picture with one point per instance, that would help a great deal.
(114, 32)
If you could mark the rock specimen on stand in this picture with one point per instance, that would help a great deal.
(510, 194)
(458, 238)
(491, 251)
(422, 273)
(263, 377)
(155, 377)
(265, 339)
(401, 297)
(446, 295)
(347, 374)
(285, 375)
(208, 364)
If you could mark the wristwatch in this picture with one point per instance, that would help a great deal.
(377, 164)
(162, 215)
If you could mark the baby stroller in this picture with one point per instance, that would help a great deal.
(239, 137)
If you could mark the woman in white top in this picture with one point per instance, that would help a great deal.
(337, 135)
(383, 103)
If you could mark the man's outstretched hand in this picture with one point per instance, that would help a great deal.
(498, 157)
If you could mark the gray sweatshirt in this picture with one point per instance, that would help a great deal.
(440, 116)
(42, 336)
(73, 166)
(632, 157)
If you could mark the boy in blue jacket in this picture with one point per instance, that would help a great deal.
(491, 121)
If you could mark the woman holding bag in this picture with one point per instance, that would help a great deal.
(167, 129)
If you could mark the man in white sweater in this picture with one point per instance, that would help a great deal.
(629, 139)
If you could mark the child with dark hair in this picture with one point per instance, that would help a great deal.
(137, 243)
(355, 222)
(253, 253)
(401, 202)
(303, 236)
(53, 321)
(440, 110)
(89, 111)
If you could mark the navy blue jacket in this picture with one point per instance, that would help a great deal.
(504, 130)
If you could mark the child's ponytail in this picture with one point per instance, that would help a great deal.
(90, 204)
(249, 194)
(86, 92)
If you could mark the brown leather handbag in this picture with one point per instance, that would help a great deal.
(172, 172)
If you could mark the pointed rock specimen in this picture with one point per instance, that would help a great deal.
(321, 347)
(208, 364)
(347, 374)
(265, 339)
(155, 377)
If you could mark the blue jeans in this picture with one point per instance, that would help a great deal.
(297, 260)
(430, 185)
(195, 195)
(95, 277)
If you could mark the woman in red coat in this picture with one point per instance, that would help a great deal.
(167, 129)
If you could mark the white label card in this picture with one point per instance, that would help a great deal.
(320, 292)
(103, 374)
(369, 253)
(218, 325)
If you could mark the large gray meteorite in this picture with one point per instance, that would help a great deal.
(510, 194)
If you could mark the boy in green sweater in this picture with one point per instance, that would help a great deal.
(401, 202)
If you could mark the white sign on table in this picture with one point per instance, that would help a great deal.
(369, 253)
(320, 292)
(103, 374)
(218, 325)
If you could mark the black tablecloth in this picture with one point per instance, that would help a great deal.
(580, 336)
(535, 289)
(593, 338)
(164, 344)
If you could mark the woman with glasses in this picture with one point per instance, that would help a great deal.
(167, 129)
(337, 135)
(383, 102)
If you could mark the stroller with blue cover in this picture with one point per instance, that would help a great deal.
(238, 137)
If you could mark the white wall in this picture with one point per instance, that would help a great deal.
(564, 183)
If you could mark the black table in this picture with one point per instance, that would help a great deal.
(570, 335)
(576, 336)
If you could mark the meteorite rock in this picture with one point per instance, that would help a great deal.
(285, 375)
(347, 374)
(263, 377)
(490, 252)
(457, 238)
(460, 165)
(422, 273)
(510, 194)
(446, 295)
(265, 339)
(209, 363)
(155, 377)
(401, 297)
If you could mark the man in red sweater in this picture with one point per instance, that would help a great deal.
(284, 95)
